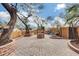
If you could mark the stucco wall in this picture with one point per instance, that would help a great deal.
(78, 31)
(65, 32)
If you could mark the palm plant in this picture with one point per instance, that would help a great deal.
(72, 14)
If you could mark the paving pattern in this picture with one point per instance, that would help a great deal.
(31, 46)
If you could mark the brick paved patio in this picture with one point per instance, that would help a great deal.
(31, 46)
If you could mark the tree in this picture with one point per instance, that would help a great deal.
(72, 15)
(24, 19)
(58, 25)
(30, 10)
(5, 36)
(12, 9)
(25, 22)
(40, 24)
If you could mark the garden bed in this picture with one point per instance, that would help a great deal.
(74, 46)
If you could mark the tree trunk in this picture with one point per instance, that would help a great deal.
(27, 32)
(5, 36)
(40, 33)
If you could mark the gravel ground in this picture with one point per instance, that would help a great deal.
(31, 46)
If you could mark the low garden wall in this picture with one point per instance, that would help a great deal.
(16, 34)
(7, 49)
(20, 33)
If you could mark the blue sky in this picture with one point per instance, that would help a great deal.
(2, 8)
(50, 9)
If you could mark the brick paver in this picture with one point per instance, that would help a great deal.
(31, 46)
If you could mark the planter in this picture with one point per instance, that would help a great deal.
(26, 33)
(40, 33)
(73, 46)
